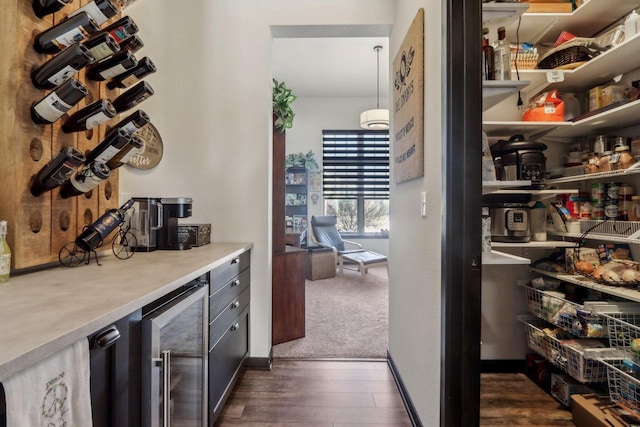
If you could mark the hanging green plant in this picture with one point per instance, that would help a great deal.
(282, 99)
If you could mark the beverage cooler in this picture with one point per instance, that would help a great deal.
(174, 358)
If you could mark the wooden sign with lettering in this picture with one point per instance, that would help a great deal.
(408, 104)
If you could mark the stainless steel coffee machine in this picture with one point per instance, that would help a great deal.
(172, 209)
(146, 219)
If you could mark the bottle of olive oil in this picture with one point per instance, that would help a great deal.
(5, 253)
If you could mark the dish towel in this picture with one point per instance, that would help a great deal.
(53, 393)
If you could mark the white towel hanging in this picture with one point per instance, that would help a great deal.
(55, 392)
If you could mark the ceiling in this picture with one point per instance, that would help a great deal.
(331, 67)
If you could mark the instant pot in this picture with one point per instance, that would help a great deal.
(510, 217)
(516, 159)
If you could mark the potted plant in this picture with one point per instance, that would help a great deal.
(282, 99)
(300, 159)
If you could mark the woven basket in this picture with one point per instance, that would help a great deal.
(566, 56)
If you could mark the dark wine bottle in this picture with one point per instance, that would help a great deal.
(65, 34)
(117, 64)
(43, 8)
(136, 146)
(100, 10)
(109, 147)
(133, 97)
(122, 29)
(57, 171)
(85, 180)
(133, 122)
(90, 116)
(144, 68)
(132, 44)
(101, 45)
(61, 67)
(57, 102)
(93, 235)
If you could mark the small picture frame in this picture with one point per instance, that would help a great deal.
(301, 199)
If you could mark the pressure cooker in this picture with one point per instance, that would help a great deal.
(516, 159)
(510, 217)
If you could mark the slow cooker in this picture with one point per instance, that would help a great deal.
(516, 159)
(510, 217)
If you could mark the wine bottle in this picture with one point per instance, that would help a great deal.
(90, 116)
(133, 122)
(144, 68)
(57, 102)
(65, 34)
(5, 253)
(109, 147)
(111, 67)
(133, 97)
(136, 146)
(85, 180)
(43, 8)
(57, 171)
(93, 235)
(100, 10)
(122, 29)
(61, 67)
(101, 45)
(132, 44)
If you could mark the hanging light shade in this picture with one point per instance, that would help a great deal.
(376, 119)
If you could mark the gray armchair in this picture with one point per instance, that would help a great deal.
(325, 233)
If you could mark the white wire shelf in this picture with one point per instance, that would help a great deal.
(630, 294)
(632, 170)
(547, 244)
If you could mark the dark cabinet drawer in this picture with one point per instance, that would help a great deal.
(225, 359)
(224, 295)
(223, 273)
(224, 321)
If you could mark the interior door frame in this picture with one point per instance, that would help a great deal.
(462, 193)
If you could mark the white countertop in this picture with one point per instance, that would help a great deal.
(43, 312)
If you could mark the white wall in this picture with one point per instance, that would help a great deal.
(414, 244)
(315, 114)
(213, 108)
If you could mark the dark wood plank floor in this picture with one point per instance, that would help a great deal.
(356, 393)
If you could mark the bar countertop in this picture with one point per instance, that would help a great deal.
(43, 312)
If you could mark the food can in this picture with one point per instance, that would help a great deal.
(612, 190)
(597, 212)
(598, 190)
(611, 210)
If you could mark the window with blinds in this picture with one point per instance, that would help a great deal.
(355, 164)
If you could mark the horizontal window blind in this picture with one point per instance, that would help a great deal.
(355, 164)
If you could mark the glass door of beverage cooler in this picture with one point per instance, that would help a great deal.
(175, 363)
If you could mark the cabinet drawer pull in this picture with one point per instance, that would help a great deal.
(235, 283)
(235, 260)
(235, 327)
(235, 305)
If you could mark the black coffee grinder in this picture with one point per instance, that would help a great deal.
(172, 209)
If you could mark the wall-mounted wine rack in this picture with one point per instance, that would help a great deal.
(40, 226)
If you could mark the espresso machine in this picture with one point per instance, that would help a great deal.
(171, 210)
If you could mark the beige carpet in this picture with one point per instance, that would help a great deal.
(344, 318)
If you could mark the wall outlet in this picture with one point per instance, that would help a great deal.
(423, 204)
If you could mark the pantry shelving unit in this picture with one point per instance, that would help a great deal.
(509, 262)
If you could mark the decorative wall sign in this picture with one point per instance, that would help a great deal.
(153, 149)
(408, 104)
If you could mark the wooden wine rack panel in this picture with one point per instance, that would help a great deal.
(40, 226)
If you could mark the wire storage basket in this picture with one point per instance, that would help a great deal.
(568, 315)
(624, 334)
(624, 387)
(582, 364)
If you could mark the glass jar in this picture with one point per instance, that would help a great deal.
(600, 144)
(633, 213)
(605, 159)
(624, 157)
(593, 163)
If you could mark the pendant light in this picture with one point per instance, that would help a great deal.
(377, 119)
